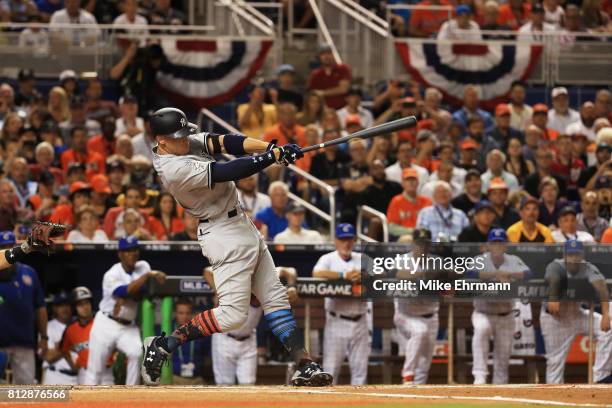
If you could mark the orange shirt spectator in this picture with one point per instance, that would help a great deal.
(94, 163)
(508, 17)
(606, 238)
(424, 22)
(288, 131)
(105, 143)
(331, 80)
(80, 194)
(404, 208)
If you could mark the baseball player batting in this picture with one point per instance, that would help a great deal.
(240, 261)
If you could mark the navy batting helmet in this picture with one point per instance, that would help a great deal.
(171, 122)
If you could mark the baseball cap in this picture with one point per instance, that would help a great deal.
(540, 108)
(603, 146)
(67, 74)
(537, 8)
(528, 200)
(568, 209)
(560, 90)
(353, 119)
(25, 74)
(345, 230)
(421, 235)
(294, 207)
(114, 164)
(284, 68)
(468, 144)
(502, 109)
(470, 174)
(324, 47)
(497, 183)
(7, 238)
(79, 186)
(483, 204)
(60, 298)
(128, 243)
(409, 172)
(409, 100)
(573, 246)
(424, 135)
(100, 184)
(463, 9)
(497, 235)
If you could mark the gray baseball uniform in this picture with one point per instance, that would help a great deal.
(494, 319)
(559, 331)
(239, 257)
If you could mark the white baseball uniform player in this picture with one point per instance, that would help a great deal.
(560, 330)
(59, 372)
(234, 354)
(494, 319)
(114, 327)
(240, 261)
(346, 326)
(417, 323)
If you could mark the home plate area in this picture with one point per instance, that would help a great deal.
(339, 396)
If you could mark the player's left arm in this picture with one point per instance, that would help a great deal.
(235, 144)
(604, 297)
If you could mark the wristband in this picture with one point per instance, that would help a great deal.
(17, 253)
(343, 275)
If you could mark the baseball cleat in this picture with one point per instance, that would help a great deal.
(311, 375)
(154, 357)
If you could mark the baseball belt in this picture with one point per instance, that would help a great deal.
(345, 317)
(230, 214)
(238, 338)
(119, 320)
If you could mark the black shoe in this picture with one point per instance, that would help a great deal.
(154, 357)
(605, 380)
(311, 375)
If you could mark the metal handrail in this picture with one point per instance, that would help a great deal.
(331, 217)
(111, 26)
(382, 30)
(258, 14)
(241, 10)
(370, 15)
(369, 210)
(325, 30)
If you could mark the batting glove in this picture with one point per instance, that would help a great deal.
(290, 154)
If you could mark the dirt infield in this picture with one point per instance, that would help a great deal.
(336, 397)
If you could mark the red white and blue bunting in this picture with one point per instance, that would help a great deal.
(450, 67)
(203, 73)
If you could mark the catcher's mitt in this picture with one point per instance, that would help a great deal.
(39, 238)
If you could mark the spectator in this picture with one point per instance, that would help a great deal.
(554, 13)
(7, 101)
(131, 17)
(468, 155)
(544, 159)
(603, 186)
(462, 27)
(476, 132)
(10, 213)
(431, 109)
(115, 168)
(568, 227)
(497, 194)
(330, 80)
(23, 307)
(388, 97)
(567, 165)
(79, 153)
(589, 175)
(113, 221)
(104, 144)
(56, 370)
(69, 83)
(495, 169)
(58, 105)
(472, 192)
(45, 200)
(426, 146)
(445, 173)
(191, 229)
(35, 38)
(561, 116)
(274, 216)
(444, 221)
(256, 116)
(124, 147)
(426, 22)
(327, 164)
(603, 104)
(607, 236)
(540, 119)
(550, 205)
(593, 18)
(100, 195)
(483, 218)
(528, 229)
(76, 172)
(19, 10)
(516, 163)
(128, 123)
(295, 233)
(313, 110)
(400, 109)
(584, 126)
(490, 23)
(354, 179)
(537, 27)
(353, 106)
(381, 150)
(80, 195)
(284, 89)
(503, 130)
(520, 112)
(20, 177)
(378, 195)
(11, 128)
(140, 177)
(164, 14)
(514, 13)
(86, 227)
(165, 220)
(533, 138)
(26, 93)
(132, 223)
(72, 13)
(78, 118)
(471, 100)
(95, 106)
(252, 200)
(404, 208)
(143, 143)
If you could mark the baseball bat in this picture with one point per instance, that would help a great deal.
(367, 133)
